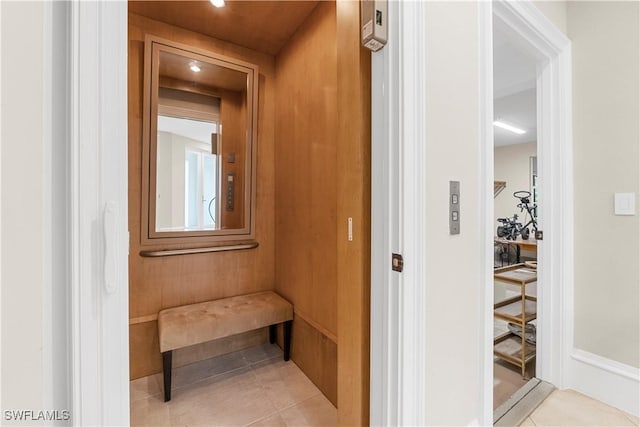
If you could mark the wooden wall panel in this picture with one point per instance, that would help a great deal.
(306, 203)
(321, 364)
(306, 122)
(144, 350)
(234, 125)
(157, 283)
(354, 201)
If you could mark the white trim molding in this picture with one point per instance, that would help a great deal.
(485, 183)
(398, 210)
(383, 403)
(611, 382)
(98, 166)
(535, 33)
(55, 182)
(412, 234)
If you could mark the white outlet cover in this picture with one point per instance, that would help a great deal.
(625, 204)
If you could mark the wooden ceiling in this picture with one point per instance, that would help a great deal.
(264, 26)
(177, 68)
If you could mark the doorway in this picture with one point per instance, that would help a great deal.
(533, 34)
(402, 330)
(516, 202)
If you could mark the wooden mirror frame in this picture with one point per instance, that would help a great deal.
(177, 242)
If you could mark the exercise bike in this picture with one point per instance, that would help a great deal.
(511, 228)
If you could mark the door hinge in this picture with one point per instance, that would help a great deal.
(397, 263)
(539, 234)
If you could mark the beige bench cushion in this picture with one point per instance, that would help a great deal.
(197, 323)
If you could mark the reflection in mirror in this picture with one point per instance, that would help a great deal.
(187, 175)
(201, 145)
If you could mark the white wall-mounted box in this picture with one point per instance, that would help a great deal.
(625, 204)
(373, 22)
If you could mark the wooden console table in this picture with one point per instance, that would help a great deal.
(527, 245)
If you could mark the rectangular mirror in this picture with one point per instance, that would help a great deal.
(199, 146)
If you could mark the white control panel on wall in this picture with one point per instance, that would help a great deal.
(454, 207)
(625, 204)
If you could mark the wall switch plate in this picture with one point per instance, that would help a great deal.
(625, 204)
(454, 207)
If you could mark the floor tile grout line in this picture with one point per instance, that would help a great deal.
(264, 391)
(265, 360)
(262, 385)
(319, 393)
(208, 378)
(248, 366)
(276, 412)
(145, 398)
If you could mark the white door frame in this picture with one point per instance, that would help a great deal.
(99, 241)
(398, 208)
(555, 169)
(397, 339)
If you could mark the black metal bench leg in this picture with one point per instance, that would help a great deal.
(272, 333)
(166, 372)
(287, 339)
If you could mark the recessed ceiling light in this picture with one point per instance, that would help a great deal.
(194, 68)
(510, 128)
(217, 3)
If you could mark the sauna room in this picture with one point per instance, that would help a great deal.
(249, 213)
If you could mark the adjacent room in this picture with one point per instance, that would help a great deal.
(516, 201)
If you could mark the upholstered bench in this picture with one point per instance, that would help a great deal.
(192, 324)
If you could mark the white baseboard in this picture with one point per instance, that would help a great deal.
(611, 382)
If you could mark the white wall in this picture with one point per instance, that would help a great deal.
(511, 164)
(34, 231)
(164, 183)
(170, 192)
(555, 11)
(606, 125)
(22, 205)
(454, 273)
(606, 135)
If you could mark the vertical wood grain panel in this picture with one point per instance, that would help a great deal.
(354, 201)
(306, 168)
(319, 364)
(234, 125)
(306, 204)
(157, 283)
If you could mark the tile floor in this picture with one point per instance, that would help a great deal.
(256, 387)
(250, 387)
(570, 408)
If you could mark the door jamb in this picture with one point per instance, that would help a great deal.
(398, 209)
(555, 324)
